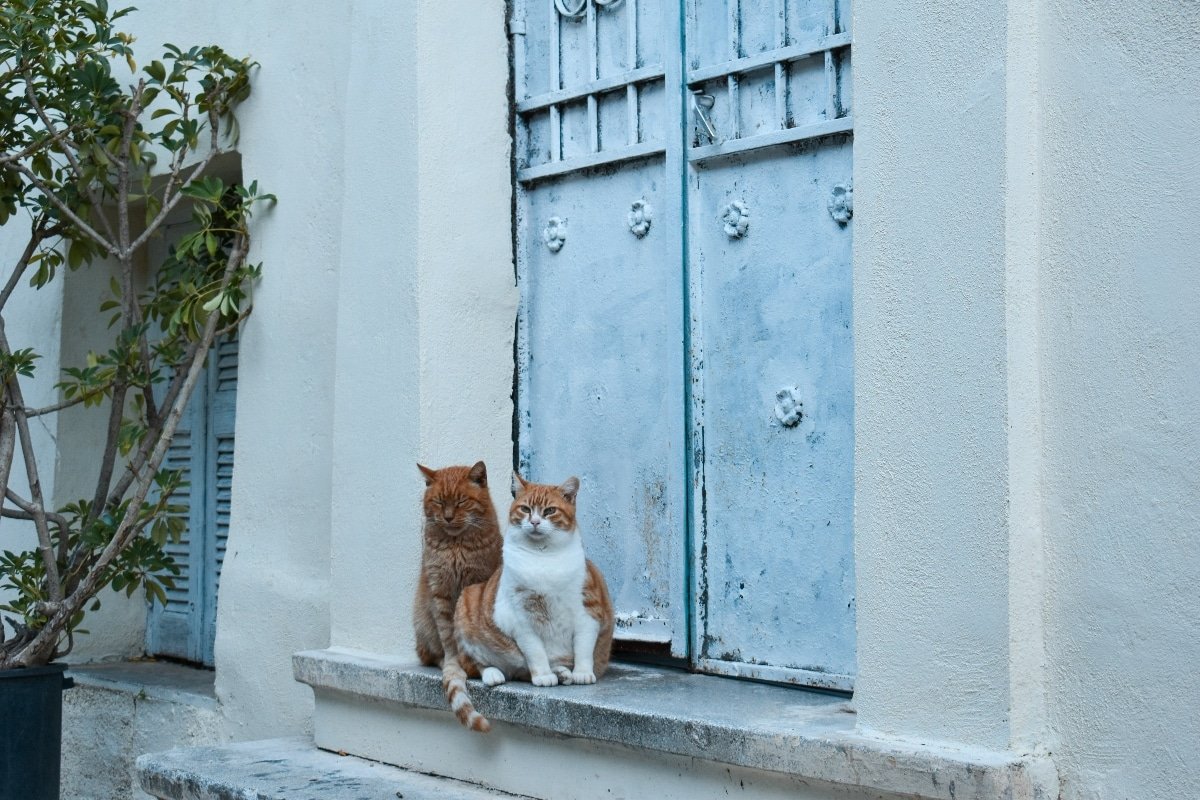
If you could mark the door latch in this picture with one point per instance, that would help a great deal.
(701, 105)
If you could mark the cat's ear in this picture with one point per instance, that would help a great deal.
(478, 474)
(429, 474)
(570, 488)
(518, 483)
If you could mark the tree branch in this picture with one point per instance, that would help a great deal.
(28, 510)
(8, 439)
(31, 472)
(76, 167)
(135, 464)
(66, 211)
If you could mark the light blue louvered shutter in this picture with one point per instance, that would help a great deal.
(203, 446)
(171, 629)
(222, 404)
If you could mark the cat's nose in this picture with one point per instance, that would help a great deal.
(448, 515)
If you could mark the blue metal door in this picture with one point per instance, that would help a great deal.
(683, 226)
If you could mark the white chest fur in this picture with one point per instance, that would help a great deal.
(541, 592)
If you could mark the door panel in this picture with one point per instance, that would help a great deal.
(600, 343)
(779, 573)
(769, 268)
(606, 387)
(651, 362)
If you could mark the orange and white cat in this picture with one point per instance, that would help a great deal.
(546, 615)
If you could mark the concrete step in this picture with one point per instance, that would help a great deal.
(289, 769)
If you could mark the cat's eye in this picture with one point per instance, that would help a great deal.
(523, 509)
(550, 511)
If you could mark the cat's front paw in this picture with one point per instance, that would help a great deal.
(583, 678)
(564, 675)
(492, 676)
(549, 679)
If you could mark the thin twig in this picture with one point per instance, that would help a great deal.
(233, 326)
(169, 200)
(38, 145)
(74, 401)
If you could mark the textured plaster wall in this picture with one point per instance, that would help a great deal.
(105, 730)
(1121, 176)
(117, 629)
(931, 457)
(275, 580)
(426, 298)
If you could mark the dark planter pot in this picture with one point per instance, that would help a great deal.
(31, 731)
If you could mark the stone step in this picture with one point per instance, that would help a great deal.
(289, 769)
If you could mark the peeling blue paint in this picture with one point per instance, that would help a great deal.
(717, 497)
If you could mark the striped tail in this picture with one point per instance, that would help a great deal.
(454, 684)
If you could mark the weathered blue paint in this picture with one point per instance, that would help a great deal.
(173, 629)
(600, 336)
(697, 375)
(203, 447)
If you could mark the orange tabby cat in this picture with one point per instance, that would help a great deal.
(545, 615)
(462, 546)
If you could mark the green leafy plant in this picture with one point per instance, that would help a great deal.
(93, 166)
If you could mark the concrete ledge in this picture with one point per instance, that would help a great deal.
(288, 769)
(158, 680)
(733, 722)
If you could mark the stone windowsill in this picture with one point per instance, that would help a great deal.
(734, 722)
(160, 680)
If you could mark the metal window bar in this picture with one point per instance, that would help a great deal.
(781, 72)
(793, 52)
(599, 86)
(830, 75)
(593, 42)
(734, 8)
(555, 82)
(631, 93)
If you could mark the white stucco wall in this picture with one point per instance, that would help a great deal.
(274, 583)
(385, 315)
(931, 457)
(117, 629)
(1120, 232)
(427, 301)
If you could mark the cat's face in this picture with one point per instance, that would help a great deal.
(456, 498)
(542, 513)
